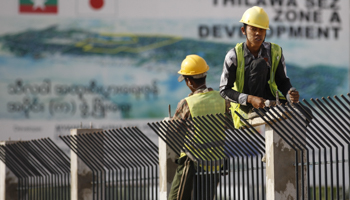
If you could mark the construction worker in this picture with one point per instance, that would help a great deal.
(255, 70)
(201, 101)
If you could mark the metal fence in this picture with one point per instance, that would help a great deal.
(42, 169)
(325, 142)
(321, 138)
(124, 163)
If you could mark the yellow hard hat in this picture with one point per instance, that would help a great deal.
(257, 17)
(193, 65)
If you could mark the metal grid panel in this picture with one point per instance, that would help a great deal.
(124, 163)
(323, 138)
(42, 169)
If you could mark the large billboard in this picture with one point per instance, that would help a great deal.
(70, 64)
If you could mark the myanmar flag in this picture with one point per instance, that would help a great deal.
(38, 6)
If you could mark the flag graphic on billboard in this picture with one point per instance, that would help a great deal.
(38, 6)
(96, 7)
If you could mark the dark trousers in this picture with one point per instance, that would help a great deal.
(182, 185)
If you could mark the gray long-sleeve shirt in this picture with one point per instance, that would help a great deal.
(228, 76)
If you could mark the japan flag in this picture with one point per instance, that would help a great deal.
(96, 7)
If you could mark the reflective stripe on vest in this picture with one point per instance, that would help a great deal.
(276, 53)
(203, 145)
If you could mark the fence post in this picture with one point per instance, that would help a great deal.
(280, 172)
(81, 175)
(281, 164)
(8, 180)
(167, 168)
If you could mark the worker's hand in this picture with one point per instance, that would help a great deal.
(294, 96)
(257, 102)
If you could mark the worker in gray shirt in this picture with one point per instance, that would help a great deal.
(255, 70)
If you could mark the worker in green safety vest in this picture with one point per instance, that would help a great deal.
(255, 71)
(201, 101)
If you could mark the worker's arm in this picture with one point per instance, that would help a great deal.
(227, 106)
(228, 77)
(283, 82)
(182, 111)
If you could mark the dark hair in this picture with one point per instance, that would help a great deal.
(197, 80)
(245, 26)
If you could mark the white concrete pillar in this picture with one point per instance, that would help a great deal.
(8, 180)
(81, 175)
(167, 168)
(280, 163)
(280, 171)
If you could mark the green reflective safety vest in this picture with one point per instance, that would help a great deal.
(203, 145)
(276, 53)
